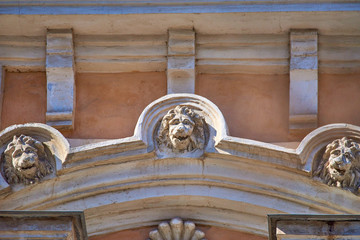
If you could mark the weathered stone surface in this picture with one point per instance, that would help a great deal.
(176, 230)
(60, 74)
(182, 130)
(339, 165)
(30, 154)
(25, 161)
(42, 225)
(181, 61)
(311, 227)
(303, 79)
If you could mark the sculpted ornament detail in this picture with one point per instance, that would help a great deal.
(182, 130)
(176, 230)
(25, 161)
(340, 165)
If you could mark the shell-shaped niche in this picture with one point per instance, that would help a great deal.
(30, 153)
(332, 155)
(176, 229)
(181, 125)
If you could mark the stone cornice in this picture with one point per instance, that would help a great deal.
(191, 6)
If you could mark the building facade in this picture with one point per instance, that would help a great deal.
(201, 116)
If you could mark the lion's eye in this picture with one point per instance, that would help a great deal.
(28, 150)
(336, 153)
(17, 154)
(174, 122)
(347, 155)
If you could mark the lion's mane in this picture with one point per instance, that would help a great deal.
(351, 183)
(197, 138)
(14, 176)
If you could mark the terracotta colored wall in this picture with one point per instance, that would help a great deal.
(24, 98)
(212, 233)
(254, 106)
(339, 98)
(108, 105)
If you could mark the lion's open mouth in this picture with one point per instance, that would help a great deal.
(181, 138)
(341, 172)
(27, 167)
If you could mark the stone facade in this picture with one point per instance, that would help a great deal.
(215, 112)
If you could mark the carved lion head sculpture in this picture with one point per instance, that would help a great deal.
(340, 164)
(25, 161)
(182, 130)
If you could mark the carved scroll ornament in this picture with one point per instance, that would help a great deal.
(25, 161)
(176, 229)
(340, 165)
(181, 130)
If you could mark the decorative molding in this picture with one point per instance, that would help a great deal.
(339, 164)
(215, 53)
(26, 161)
(317, 140)
(242, 53)
(147, 126)
(48, 151)
(233, 184)
(303, 80)
(302, 226)
(181, 61)
(160, 6)
(176, 229)
(60, 75)
(23, 53)
(339, 54)
(42, 225)
(182, 131)
(120, 53)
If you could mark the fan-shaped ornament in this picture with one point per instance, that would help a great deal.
(176, 229)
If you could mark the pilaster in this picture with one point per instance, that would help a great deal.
(181, 61)
(60, 76)
(303, 79)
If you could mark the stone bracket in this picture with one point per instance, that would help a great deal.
(181, 61)
(60, 75)
(303, 80)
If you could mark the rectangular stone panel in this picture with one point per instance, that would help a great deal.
(42, 225)
(296, 227)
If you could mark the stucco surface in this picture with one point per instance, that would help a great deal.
(212, 233)
(254, 106)
(24, 98)
(108, 105)
(339, 98)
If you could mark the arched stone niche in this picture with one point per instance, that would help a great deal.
(207, 126)
(30, 153)
(332, 155)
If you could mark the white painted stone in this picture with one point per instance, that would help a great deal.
(176, 230)
(303, 79)
(60, 75)
(181, 61)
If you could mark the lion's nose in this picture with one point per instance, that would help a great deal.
(29, 160)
